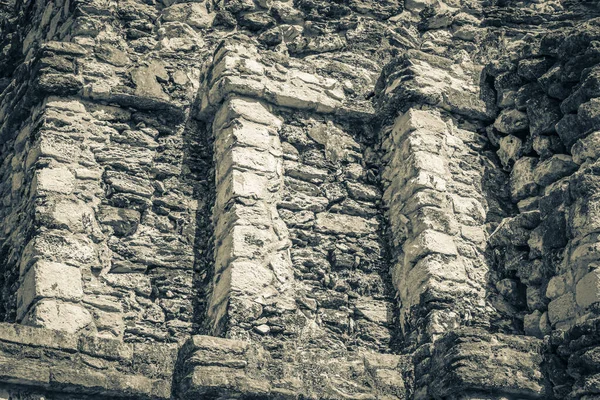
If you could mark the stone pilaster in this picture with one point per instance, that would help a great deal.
(252, 258)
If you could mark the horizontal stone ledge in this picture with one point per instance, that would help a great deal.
(229, 368)
(275, 93)
(471, 360)
(65, 377)
(30, 336)
(57, 365)
(175, 112)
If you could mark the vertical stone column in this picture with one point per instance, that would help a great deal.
(436, 215)
(252, 259)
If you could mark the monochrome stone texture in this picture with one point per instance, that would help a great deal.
(300, 199)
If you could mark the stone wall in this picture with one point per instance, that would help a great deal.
(298, 199)
(545, 138)
(103, 172)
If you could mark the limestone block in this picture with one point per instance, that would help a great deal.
(436, 267)
(239, 214)
(587, 291)
(428, 242)
(417, 5)
(531, 324)
(511, 121)
(243, 241)
(543, 114)
(249, 278)
(55, 314)
(514, 231)
(562, 308)
(468, 209)
(38, 337)
(416, 119)
(244, 184)
(529, 204)
(545, 326)
(475, 234)
(434, 218)
(208, 379)
(557, 286)
(300, 97)
(536, 299)
(522, 179)
(73, 215)
(584, 253)
(363, 192)
(426, 198)
(69, 48)
(59, 246)
(245, 133)
(344, 224)
(178, 36)
(471, 360)
(110, 325)
(510, 150)
(546, 146)
(249, 109)
(50, 280)
(123, 221)
(425, 161)
(339, 146)
(59, 84)
(61, 149)
(193, 14)
(423, 180)
(554, 168)
(297, 201)
(589, 115)
(569, 129)
(53, 180)
(423, 140)
(584, 217)
(111, 55)
(305, 172)
(125, 183)
(587, 149)
(373, 310)
(138, 283)
(246, 158)
(146, 83)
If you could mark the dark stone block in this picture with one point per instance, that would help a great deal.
(569, 129)
(58, 84)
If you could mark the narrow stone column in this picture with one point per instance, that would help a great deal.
(252, 259)
(436, 219)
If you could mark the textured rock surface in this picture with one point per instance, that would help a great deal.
(299, 199)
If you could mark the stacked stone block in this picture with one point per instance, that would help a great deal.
(547, 145)
(252, 259)
(111, 196)
(264, 221)
(545, 134)
(436, 222)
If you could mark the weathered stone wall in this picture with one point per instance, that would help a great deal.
(103, 172)
(545, 138)
(298, 199)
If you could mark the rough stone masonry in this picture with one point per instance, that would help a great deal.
(300, 199)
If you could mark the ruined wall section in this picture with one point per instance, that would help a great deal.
(19, 118)
(444, 193)
(545, 137)
(104, 165)
(299, 260)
